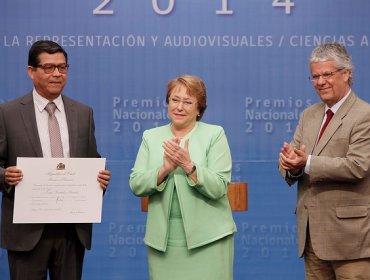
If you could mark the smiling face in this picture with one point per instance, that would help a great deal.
(182, 109)
(50, 86)
(333, 88)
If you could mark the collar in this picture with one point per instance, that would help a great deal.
(337, 105)
(41, 102)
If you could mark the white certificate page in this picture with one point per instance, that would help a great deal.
(59, 190)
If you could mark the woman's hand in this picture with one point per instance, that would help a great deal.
(179, 156)
(168, 165)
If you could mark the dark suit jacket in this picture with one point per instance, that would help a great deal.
(19, 138)
(335, 197)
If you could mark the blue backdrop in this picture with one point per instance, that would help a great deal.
(252, 56)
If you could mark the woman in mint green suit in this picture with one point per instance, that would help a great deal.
(184, 167)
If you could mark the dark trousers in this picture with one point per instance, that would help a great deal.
(59, 253)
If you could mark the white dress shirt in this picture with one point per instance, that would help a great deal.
(42, 123)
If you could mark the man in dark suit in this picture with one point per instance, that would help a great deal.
(330, 158)
(36, 249)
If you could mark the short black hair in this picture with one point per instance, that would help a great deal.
(42, 46)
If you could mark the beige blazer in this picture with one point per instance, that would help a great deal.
(334, 199)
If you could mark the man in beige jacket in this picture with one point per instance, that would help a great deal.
(330, 158)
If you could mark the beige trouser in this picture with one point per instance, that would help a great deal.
(317, 269)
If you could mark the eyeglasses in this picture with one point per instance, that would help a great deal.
(186, 103)
(50, 68)
(325, 76)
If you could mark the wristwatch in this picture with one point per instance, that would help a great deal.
(192, 170)
(295, 176)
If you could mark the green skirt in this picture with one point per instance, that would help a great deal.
(213, 261)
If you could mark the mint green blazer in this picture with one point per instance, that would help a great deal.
(204, 204)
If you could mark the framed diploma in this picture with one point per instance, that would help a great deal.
(59, 190)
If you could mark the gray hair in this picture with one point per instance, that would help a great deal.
(334, 52)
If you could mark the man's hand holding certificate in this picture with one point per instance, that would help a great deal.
(59, 190)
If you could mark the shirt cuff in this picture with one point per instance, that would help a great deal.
(308, 164)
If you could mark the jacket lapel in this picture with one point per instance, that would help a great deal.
(335, 123)
(314, 125)
(72, 122)
(30, 126)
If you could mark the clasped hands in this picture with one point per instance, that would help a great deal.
(13, 176)
(293, 159)
(175, 155)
